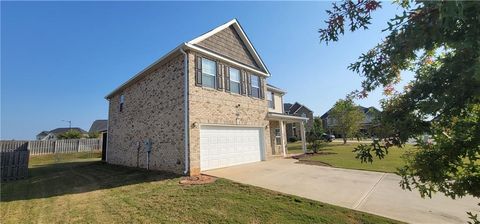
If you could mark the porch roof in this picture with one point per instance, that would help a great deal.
(285, 117)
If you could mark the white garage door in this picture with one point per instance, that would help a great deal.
(227, 146)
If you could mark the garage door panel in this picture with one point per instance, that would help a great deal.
(226, 146)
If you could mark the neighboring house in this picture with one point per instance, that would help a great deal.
(201, 106)
(99, 126)
(42, 135)
(369, 112)
(53, 134)
(297, 109)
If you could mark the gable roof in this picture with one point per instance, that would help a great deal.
(286, 107)
(98, 126)
(43, 133)
(236, 25)
(275, 89)
(296, 106)
(362, 108)
(191, 45)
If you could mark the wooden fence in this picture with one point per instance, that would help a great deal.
(53, 146)
(14, 164)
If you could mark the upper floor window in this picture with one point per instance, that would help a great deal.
(255, 86)
(234, 80)
(209, 73)
(271, 103)
(122, 102)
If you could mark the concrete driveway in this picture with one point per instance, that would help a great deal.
(372, 192)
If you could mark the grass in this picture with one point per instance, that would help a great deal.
(337, 154)
(89, 191)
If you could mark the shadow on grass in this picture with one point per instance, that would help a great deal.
(76, 177)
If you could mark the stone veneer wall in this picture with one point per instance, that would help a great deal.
(153, 109)
(228, 43)
(209, 106)
(276, 149)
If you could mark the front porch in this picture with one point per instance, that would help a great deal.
(278, 135)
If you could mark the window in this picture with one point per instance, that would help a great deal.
(255, 86)
(271, 103)
(209, 73)
(122, 101)
(234, 80)
(278, 137)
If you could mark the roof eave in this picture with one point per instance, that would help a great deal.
(141, 73)
(242, 35)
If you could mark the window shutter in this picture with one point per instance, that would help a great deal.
(260, 83)
(227, 78)
(249, 84)
(219, 75)
(198, 73)
(242, 82)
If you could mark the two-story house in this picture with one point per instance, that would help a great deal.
(300, 110)
(203, 105)
(365, 127)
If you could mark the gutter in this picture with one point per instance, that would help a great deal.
(186, 138)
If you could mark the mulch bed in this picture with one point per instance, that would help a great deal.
(197, 180)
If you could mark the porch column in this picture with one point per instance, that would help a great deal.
(282, 138)
(302, 133)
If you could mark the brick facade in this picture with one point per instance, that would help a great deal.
(275, 149)
(153, 109)
(217, 107)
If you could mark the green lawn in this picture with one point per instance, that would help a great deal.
(89, 191)
(339, 155)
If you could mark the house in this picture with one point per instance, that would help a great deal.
(201, 106)
(53, 134)
(297, 109)
(369, 112)
(99, 126)
(42, 135)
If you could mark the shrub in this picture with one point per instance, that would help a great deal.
(292, 139)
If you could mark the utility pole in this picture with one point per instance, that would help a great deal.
(69, 124)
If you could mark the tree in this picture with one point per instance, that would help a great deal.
(347, 118)
(94, 134)
(314, 135)
(439, 41)
(70, 134)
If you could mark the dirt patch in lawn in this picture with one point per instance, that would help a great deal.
(304, 158)
(197, 180)
(307, 155)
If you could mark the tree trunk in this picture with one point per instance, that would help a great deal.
(344, 136)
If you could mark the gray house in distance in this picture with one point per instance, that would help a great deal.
(53, 134)
(329, 122)
(299, 110)
(99, 126)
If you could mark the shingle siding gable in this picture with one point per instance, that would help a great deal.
(228, 43)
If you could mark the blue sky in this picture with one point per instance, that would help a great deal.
(59, 59)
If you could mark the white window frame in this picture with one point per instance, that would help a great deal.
(278, 138)
(270, 96)
(253, 87)
(206, 73)
(234, 81)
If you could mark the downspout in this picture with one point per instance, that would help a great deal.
(186, 120)
(108, 133)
